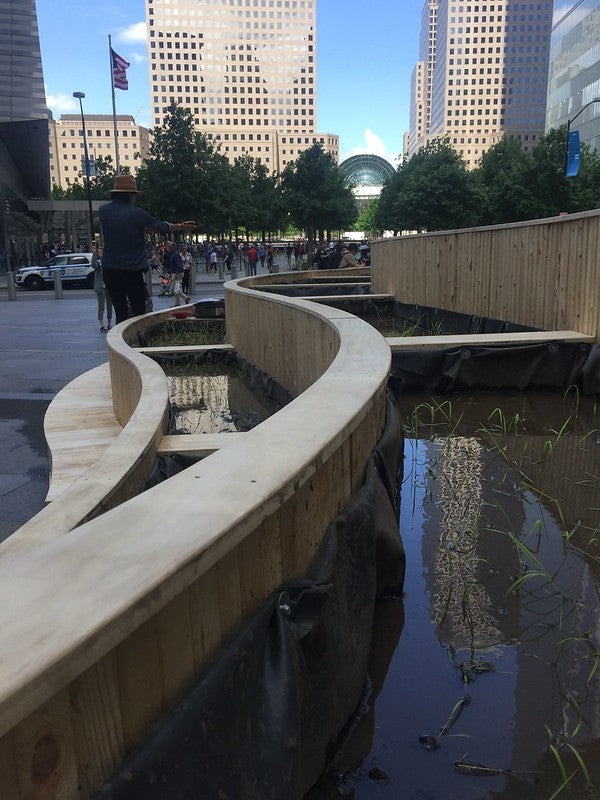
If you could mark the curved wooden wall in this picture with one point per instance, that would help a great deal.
(544, 273)
(101, 630)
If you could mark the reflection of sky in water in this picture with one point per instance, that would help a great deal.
(538, 675)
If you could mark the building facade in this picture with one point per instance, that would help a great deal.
(574, 79)
(246, 71)
(23, 114)
(488, 63)
(367, 175)
(67, 164)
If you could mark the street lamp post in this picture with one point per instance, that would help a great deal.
(80, 96)
(566, 156)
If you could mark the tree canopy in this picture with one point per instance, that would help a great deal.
(316, 195)
(434, 190)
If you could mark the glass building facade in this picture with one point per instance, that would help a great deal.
(490, 68)
(574, 78)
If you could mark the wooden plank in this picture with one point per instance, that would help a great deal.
(140, 685)
(8, 770)
(44, 753)
(486, 339)
(197, 443)
(79, 425)
(188, 348)
(357, 297)
(97, 726)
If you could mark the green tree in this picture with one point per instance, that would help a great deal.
(367, 220)
(504, 176)
(554, 192)
(431, 191)
(183, 177)
(316, 195)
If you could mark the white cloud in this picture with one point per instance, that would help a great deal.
(138, 57)
(60, 103)
(374, 145)
(133, 33)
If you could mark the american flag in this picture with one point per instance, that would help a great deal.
(119, 65)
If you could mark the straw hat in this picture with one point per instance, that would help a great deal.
(125, 183)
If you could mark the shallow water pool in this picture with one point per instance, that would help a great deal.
(484, 679)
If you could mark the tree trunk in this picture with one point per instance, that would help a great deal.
(310, 245)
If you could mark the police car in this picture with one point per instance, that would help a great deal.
(73, 268)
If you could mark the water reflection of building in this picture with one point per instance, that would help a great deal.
(214, 403)
(466, 561)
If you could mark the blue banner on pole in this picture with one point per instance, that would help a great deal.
(573, 154)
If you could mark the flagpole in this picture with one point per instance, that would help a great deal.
(112, 86)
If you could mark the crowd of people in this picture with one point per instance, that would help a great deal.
(119, 265)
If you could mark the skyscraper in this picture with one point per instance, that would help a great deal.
(246, 69)
(575, 70)
(489, 65)
(23, 113)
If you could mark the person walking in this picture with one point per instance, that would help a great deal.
(252, 260)
(262, 254)
(186, 258)
(102, 295)
(124, 258)
(177, 272)
(270, 257)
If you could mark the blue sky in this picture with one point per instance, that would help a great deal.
(365, 56)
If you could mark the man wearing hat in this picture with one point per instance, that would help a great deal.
(124, 259)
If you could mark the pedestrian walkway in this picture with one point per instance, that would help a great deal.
(202, 277)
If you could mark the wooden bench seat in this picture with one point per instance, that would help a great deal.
(79, 425)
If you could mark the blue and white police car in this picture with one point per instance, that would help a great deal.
(73, 268)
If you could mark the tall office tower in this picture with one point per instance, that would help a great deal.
(575, 70)
(490, 73)
(23, 113)
(246, 69)
(422, 79)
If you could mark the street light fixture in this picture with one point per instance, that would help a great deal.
(80, 96)
(566, 158)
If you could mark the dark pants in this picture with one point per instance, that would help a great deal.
(123, 285)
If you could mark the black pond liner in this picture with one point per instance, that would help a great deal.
(268, 711)
(545, 365)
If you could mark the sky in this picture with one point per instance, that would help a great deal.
(366, 52)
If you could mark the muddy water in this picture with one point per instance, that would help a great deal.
(214, 398)
(484, 678)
